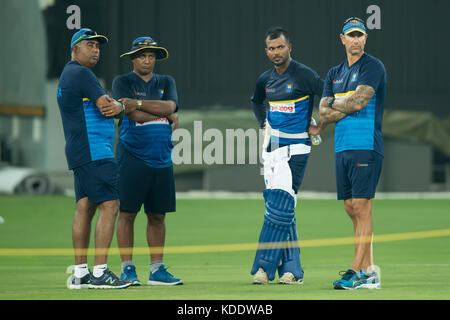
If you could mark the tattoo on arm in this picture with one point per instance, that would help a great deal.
(328, 115)
(356, 101)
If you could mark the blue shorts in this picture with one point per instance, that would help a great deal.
(97, 180)
(140, 184)
(357, 173)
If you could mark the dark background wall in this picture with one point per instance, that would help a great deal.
(217, 51)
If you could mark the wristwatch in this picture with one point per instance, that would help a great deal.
(330, 103)
(121, 113)
(139, 103)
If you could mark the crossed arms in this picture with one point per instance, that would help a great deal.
(108, 106)
(151, 109)
(342, 107)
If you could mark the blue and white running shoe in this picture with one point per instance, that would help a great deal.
(163, 278)
(369, 280)
(129, 274)
(350, 280)
(108, 281)
(79, 283)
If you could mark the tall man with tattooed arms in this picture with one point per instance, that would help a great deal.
(353, 97)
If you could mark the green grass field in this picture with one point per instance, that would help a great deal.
(413, 268)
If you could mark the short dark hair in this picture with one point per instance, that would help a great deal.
(275, 33)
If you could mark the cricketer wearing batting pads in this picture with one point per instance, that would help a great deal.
(353, 98)
(289, 87)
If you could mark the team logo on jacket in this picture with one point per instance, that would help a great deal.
(289, 88)
(354, 76)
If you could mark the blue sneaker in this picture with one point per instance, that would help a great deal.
(79, 283)
(108, 281)
(370, 280)
(163, 278)
(129, 274)
(350, 280)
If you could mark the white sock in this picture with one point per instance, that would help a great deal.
(81, 270)
(99, 269)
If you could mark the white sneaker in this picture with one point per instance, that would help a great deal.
(260, 277)
(289, 278)
(371, 279)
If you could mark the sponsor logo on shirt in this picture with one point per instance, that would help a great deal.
(270, 90)
(285, 107)
(142, 94)
(156, 121)
(338, 81)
